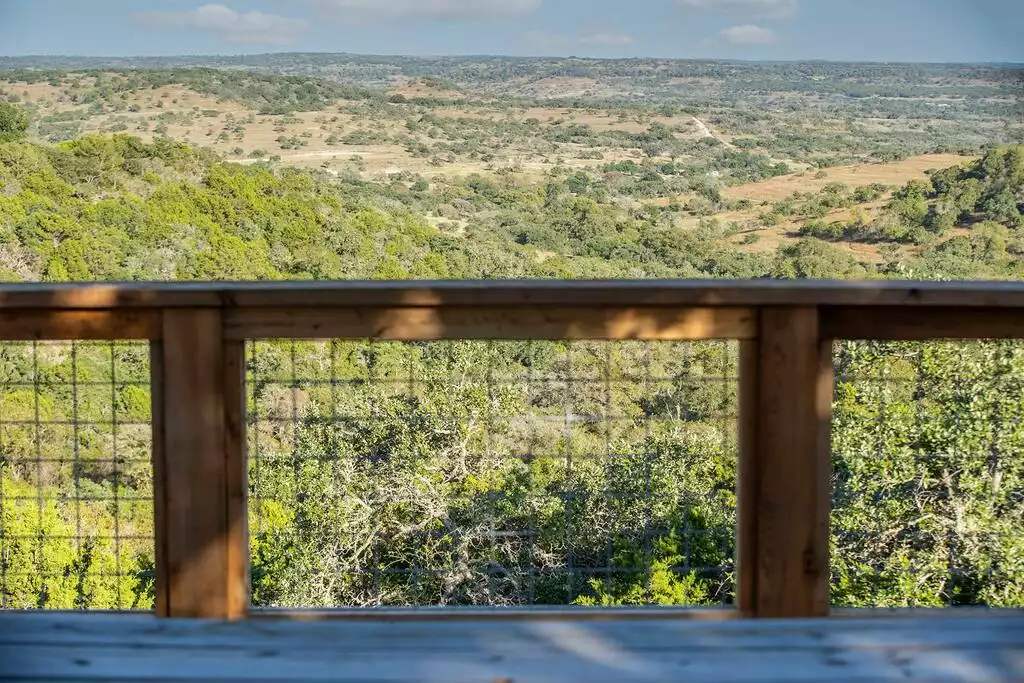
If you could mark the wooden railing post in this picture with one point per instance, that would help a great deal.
(199, 468)
(784, 469)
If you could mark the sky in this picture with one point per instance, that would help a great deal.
(838, 30)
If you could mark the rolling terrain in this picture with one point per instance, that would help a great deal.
(698, 142)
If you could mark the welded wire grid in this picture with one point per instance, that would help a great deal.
(76, 511)
(491, 473)
(928, 457)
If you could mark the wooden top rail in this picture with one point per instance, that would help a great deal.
(510, 309)
(490, 293)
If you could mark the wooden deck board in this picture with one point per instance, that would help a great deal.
(92, 647)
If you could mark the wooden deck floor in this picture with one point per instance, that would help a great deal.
(92, 647)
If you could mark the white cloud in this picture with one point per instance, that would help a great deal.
(232, 26)
(766, 9)
(748, 34)
(606, 38)
(362, 11)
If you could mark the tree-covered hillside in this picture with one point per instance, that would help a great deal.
(115, 208)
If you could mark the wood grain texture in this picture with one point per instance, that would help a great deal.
(161, 558)
(445, 614)
(905, 323)
(31, 324)
(202, 566)
(236, 478)
(50, 647)
(746, 491)
(921, 627)
(491, 293)
(579, 659)
(412, 323)
(918, 324)
(791, 477)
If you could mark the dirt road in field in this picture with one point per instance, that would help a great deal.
(705, 132)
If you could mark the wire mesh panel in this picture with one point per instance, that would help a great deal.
(76, 490)
(928, 456)
(491, 473)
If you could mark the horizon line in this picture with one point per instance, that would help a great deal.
(1002, 63)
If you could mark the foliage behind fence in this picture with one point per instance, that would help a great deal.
(499, 473)
(516, 473)
(76, 489)
(928, 456)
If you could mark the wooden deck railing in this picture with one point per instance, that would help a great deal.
(197, 334)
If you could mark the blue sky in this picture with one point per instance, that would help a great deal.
(874, 30)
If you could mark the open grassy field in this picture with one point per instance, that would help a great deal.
(330, 138)
(893, 173)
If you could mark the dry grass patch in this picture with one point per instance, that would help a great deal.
(895, 173)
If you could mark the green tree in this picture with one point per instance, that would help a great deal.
(14, 122)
